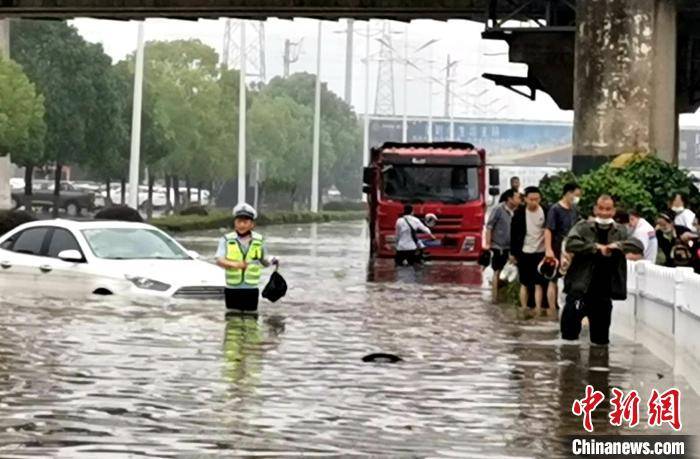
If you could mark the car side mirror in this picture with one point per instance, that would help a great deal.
(494, 182)
(71, 256)
(193, 253)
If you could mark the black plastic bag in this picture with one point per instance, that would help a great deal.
(485, 258)
(276, 287)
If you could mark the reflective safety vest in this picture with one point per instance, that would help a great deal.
(253, 257)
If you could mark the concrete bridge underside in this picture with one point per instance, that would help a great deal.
(626, 67)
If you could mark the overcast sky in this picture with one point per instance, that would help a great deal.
(459, 39)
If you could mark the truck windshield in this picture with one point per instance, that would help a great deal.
(450, 184)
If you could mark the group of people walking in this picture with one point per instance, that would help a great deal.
(589, 252)
(523, 232)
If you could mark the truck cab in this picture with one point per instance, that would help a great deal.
(446, 179)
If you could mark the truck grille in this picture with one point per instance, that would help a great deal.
(447, 223)
(200, 292)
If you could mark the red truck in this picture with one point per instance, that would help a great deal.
(447, 179)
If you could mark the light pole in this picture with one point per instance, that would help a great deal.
(404, 122)
(317, 124)
(365, 130)
(242, 118)
(430, 100)
(134, 158)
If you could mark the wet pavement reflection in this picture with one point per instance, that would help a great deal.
(109, 378)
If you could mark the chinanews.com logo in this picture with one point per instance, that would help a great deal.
(663, 409)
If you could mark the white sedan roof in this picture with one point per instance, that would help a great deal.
(82, 225)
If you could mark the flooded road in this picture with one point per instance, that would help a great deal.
(110, 378)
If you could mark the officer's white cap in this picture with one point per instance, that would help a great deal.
(245, 210)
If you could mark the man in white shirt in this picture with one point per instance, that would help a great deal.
(408, 247)
(643, 231)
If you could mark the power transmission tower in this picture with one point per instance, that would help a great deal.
(384, 97)
(255, 47)
(292, 50)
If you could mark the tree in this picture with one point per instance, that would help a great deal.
(338, 121)
(75, 77)
(198, 103)
(22, 125)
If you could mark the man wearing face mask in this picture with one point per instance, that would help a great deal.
(561, 217)
(682, 215)
(598, 272)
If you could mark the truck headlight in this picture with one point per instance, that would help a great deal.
(148, 284)
(469, 244)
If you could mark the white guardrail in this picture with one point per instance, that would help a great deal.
(662, 312)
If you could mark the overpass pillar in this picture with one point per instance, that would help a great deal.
(624, 80)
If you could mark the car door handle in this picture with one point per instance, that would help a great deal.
(5, 264)
(45, 268)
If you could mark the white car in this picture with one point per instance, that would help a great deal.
(64, 257)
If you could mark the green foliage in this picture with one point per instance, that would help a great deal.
(82, 109)
(195, 210)
(645, 183)
(221, 219)
(341, 136)
(551, 186)
(11, 219)
(188, 108)
(345, 205)
(22, 125)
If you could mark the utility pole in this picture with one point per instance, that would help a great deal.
(448, 69)
(365, 130)
(292, 49)
(5, 38)
(5, 165)
(404, 121)
(256, 196)
(241, 119)
(136, 123)
(348, 61)
(317, 125)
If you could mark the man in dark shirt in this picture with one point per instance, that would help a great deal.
(598, 272)
(560, 219)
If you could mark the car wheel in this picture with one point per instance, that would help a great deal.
(14, 203)
(72, 209)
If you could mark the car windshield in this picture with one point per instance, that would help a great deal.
(133, 244)
(449, 184)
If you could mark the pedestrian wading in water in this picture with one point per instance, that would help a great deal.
(242, 254)
(598, 272)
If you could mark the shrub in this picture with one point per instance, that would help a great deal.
(644, 183)
(11, 219)
(122, 213)
(195, 210)
(340, 206)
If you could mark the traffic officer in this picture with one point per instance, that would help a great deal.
(242, 254)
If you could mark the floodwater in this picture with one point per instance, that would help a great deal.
(111, 378)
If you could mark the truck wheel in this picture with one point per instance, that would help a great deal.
(72, 209)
